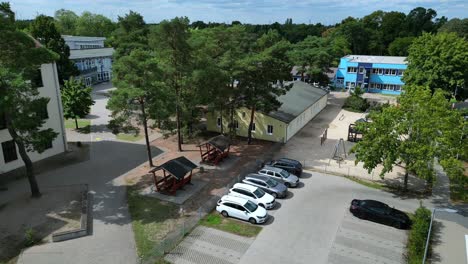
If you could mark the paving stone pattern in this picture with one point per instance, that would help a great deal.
(209, 246)
(361, 241)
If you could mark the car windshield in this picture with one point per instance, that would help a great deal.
(271, 182)
(284, 174)
(251, 206)
(259, 193)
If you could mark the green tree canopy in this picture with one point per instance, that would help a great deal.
(20, 103)
(423, 127)
(94, 25)
(439, 61)
(66, 21)
(400, 46)
(76, 99)
(137, 78)
(456, 25)
(44, 30)
(131, 33)
(170, 41)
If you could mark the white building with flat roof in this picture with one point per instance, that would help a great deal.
(91, 57)
(48, 86)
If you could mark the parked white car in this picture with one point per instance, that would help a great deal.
(280, 175)
(254, 194)
(242, 209)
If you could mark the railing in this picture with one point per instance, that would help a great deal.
(428, 236)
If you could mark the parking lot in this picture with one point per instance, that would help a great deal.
(314, 224)
(361, 241)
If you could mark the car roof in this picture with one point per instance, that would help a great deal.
(234, 199)
(245, 186)
(374, 203)
(289, 161)
(275, 169)
(257, 176)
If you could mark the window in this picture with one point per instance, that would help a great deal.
(393, 72)
(236, 124)
(218, 122)
(36, 80)
(2, 121)
(361, 69)
(353, 84)
(243, 114)
(43, 113)
(387, 71)
(375, 71)
(347, 84)
(398, 88)
(381, 71)
(271, 173)
(352, 69)
(378, 85)
(48, 145)
(400, 72)
(270, 130)
(9, 151)
(253, 127)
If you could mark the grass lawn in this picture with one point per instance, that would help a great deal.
(151, 220)
(84, 125)
(215, 220)
(129, 137)
(367, 183)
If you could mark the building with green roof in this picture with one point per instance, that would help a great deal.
(299, 105)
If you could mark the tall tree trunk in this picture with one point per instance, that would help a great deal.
(27, 161)
(179, 136)
(222, 127)
(249, 133)
(232, 128)
(145, 126)
(76, 123)
(405, 184)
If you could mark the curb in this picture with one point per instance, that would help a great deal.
(83, 230)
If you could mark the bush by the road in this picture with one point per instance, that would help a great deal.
(418, 235)
(356, 103)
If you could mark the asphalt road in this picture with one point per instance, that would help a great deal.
(306, 226)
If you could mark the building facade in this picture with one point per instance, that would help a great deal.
(91, 57)
(299, 105)
(375, 74)
(48, 86)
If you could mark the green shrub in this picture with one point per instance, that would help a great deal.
(356, 104)
(418, 235)
(30, 237)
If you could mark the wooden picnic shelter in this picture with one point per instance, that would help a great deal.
(176, 173)
(215, 149)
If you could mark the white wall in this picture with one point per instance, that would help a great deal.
(51, 90)
(304, 118)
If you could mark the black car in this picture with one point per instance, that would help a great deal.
(379, 212)
(289, 165)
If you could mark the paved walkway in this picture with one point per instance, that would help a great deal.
(210, 246)
(363, 242)
(112, 238)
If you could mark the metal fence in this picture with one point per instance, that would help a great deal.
(179, 231)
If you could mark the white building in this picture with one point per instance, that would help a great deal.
(91, 57)
(48, 87)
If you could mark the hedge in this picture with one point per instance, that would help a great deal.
(418, 235)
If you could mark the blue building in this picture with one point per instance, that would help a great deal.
(375, 74)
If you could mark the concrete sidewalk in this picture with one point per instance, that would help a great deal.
(111, 239)
(448, 238)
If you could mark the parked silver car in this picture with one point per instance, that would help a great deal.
(288, 179)
(267, 184)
